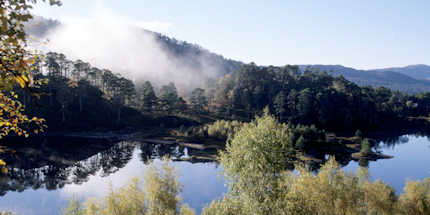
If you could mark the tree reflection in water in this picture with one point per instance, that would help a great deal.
(52, 166)
(52, 163)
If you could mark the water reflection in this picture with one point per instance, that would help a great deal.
(53, 163)
(385, 144)
(391, 139)
(52, 167)
(410, 161)
(43, 175)
(153, 151)
(53, 170)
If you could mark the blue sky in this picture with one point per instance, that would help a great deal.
(362, 34)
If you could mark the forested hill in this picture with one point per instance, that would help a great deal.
(196, 55)
(186, 55)
(196, 61)
(410, 79)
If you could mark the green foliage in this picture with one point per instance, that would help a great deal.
(229, 206)
(148, 97)
(300, 143)
(416, 198)
(365, 147)
(358, 133)
(222, 129)
(160, 196)
(78, 97)
(280, 105)
(313, 98)
(15, 60)
(312, 136)
(261, 187)
(186, 210)
(74, 208)
(169, 97)
(256, 163)
(16, 66)
(162, 190)
(198, 99)
(330, 191)
(125, 200)
(256, 154)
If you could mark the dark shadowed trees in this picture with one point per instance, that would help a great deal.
(198, 100)
(148, 98)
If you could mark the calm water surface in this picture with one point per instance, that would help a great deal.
(43, 182)
(410, 162)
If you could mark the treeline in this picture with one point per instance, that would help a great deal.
(80, 95)
(308, 97)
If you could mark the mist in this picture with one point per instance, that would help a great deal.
(112, 42)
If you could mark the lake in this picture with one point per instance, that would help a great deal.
(42, 179)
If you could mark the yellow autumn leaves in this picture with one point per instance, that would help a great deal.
(16, 66)
(12, 118)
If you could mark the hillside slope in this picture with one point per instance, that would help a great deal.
(419, 71)
(196, 65)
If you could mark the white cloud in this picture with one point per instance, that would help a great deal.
(112, 41)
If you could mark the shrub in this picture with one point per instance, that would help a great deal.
(358, 133)
(160, 196)
(416, 198)
(222, 129)
(330, 191)
(365, 147)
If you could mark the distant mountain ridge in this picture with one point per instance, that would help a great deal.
(410, 79)
(418, 71)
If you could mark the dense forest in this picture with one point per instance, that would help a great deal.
(311, 97)
(79, 96)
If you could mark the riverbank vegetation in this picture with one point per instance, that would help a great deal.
(257, 164)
